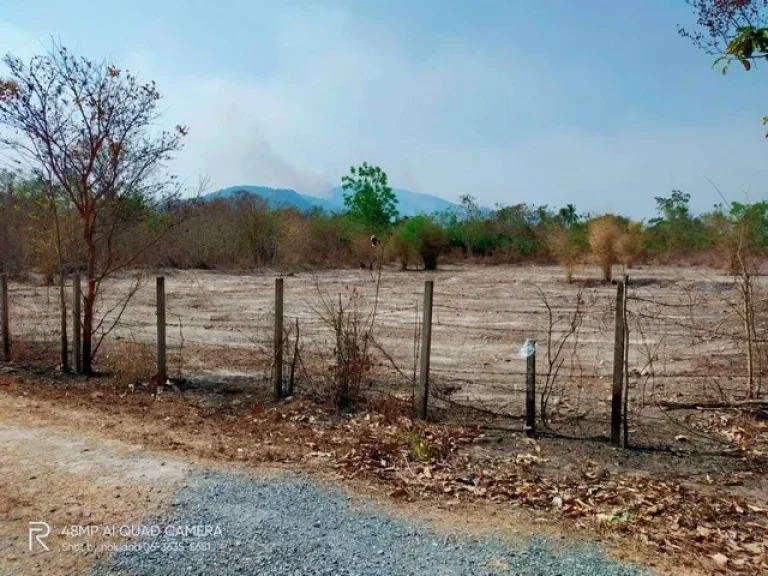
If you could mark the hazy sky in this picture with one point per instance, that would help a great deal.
(599, 103)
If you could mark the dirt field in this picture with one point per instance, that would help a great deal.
(220, 330)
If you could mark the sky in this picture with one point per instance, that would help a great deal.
(597, 103)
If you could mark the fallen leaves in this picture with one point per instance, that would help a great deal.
(665, 516)
(715, 525)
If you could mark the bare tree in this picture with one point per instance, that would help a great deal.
(86, 126)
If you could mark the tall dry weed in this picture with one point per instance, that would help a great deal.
(604, 234)
(563, 250)
(628, 247)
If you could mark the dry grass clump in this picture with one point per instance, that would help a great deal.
(400, 250)
(604, 234)
(628, 246)
(130, 363)
(563, 250)
(295, 240)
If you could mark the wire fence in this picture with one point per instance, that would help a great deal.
(684, 349)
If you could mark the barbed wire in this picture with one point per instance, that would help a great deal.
(683, 338)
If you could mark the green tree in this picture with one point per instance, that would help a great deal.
(418, 237)
(676, 228)
(568, 216)
(731, 30)
(368, 198)
(514, 228)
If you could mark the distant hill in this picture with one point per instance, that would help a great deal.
(277, 197)
(409, 203)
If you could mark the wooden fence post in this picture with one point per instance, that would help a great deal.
(426, 346)
(278, 371)
(5, 331)
(64, 321)
(162, 367)
(77, 346)
(618, 367)
(625, 404)
(530, 393)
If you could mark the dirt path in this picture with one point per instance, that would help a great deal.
(58, 469)
(64, 480)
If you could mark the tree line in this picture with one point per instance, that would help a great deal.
(243, 232)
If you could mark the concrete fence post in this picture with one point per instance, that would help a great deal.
(530, 393)
(618, 367)
(426, 346)
(162, 366)
(278, 340)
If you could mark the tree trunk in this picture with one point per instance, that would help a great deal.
(90, 296)
(607, 272)
(88, 303)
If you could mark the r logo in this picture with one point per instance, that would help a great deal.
(40, 531)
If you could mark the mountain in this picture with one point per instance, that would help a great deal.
(408, 203)
(277, 197)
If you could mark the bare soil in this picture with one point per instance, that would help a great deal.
(220, 329)
(71, 480)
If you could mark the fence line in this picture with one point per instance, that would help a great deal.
(462, 370)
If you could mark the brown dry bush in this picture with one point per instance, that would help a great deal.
(130, 363)
(628, 247)
(563, 250)
(604, 233)
(363, 252)
(345, 380)
(259, 229)
(323, 244)
(294, 247)
(399, 250)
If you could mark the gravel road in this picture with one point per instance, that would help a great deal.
(291, 526)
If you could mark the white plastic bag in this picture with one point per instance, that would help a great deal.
(527, 349)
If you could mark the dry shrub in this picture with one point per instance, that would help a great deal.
(42, 245)
(344, 382)
(392, 408)
(628, 247)
(432, 242)
(729, 253)
(604, 233)
(399, 249)
(363, 252)
(324, 247)
(35, 352)
(564, 251)
(130, 363)
(294, 245)
(739, 252)
(417, 239)
(454, 255)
